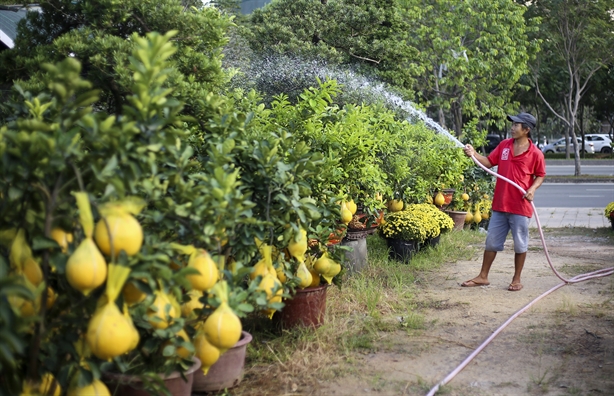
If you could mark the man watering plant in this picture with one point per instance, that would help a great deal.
(519, 160)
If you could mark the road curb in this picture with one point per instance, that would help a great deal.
(579, 179)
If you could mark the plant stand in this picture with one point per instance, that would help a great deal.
(227, 372)
(357, 257)
(458, 218)
(306, 308)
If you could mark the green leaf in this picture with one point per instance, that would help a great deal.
(40, 243)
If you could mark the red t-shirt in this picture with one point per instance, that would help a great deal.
(521, 169)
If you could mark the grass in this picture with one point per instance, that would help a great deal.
(378, 300)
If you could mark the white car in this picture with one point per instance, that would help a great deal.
(601, 141)
(559, 147)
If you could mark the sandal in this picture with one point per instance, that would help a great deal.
(515, 287)
(472, 283)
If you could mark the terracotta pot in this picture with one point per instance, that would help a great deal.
(306, 308)
(227, 372)
(131, 385)
(402, 250)
(458, 218)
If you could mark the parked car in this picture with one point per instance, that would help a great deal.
(559, 146)
(601, 141)
(492, 141)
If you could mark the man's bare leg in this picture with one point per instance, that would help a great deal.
(482, 278)
(518, 266)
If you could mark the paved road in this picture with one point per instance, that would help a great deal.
(568, 170)
(574, 195)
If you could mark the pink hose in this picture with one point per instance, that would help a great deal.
(575, 279)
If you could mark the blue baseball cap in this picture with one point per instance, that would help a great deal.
(524, 118)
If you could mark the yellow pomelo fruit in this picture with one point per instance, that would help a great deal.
(315, 277)
(180, 350)
(439, 199)
(395, 205)
(298, 245)
(268, 283)
(281, 275)
(86, 268)
(322, 265)
(62, 237)
(485, 215)
(32, 271)
(161, 304)
(24, 307)
(205, 352)
(209, 273)
(465, 197)
(96, 388)
(126, 232)
(468, 217)
(48, 383)
(477, 217)
(188, 307)
(109, 334)
(51, 297)
(334, 269)
(222, 328)
(485, 196)
(132, 294)
(136, 337)
(346, 213)
(260, 269)
(352, 207)
(304, 275)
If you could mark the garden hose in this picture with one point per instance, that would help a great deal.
(575, 279)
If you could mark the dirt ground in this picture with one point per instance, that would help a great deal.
(563, 345)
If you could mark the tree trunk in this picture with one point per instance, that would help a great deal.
(458, 119)
(442, 118)
(576, 147)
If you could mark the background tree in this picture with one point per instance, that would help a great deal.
(601, 96)
(472, 54)
(578, 42)
(97, 34)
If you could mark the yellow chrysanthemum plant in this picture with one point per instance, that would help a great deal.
(609, 211)
(417, 222)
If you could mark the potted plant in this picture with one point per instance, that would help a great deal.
(457, 210)
(443, 220)
(609, 213)
(406, 230)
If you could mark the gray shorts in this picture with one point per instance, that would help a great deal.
(500, 225)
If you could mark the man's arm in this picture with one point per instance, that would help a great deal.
(470, 151)
(531, 191)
